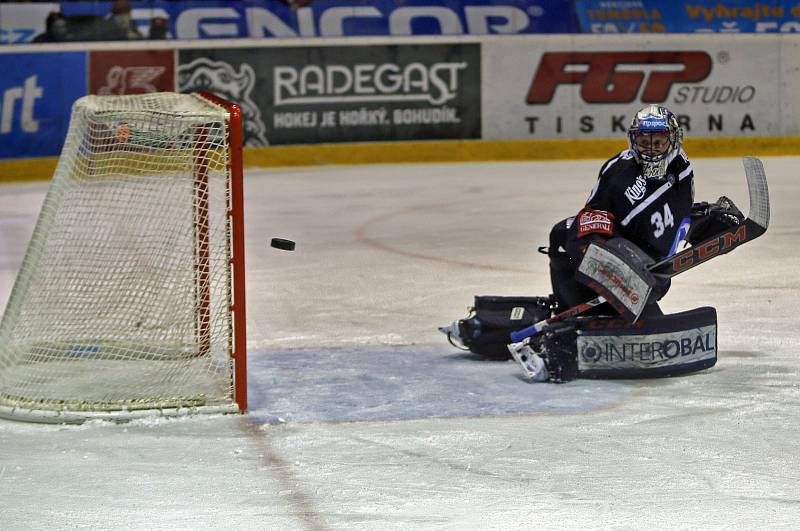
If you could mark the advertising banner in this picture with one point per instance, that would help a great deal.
(131, 72)
(658, 16)
(572, 88)
(325, 94)
(217, 19)
(37, 102)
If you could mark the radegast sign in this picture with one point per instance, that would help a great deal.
(351, 94)
(571, 89)
(306, 95)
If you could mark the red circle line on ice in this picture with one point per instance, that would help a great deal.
(360, 233)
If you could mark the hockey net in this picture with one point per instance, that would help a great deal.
(130, 298)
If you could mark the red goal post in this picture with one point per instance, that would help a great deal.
(235, 133)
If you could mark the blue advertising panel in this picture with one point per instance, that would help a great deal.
(660, 16)
(37, 101)
(22, 22)
(216, 19)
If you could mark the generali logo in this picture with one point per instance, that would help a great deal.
(617, 77)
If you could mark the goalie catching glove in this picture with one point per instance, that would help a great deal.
(709, 219)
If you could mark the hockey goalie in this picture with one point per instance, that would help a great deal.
(613, 261)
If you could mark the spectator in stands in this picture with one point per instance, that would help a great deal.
(294, 4)
(158, 28)
(121, 25)
(56, 29)
(117, 26)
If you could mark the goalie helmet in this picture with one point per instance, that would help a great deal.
(655, 140)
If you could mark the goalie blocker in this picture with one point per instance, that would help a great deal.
(617, 271)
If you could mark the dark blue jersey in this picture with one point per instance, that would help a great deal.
(647, 212)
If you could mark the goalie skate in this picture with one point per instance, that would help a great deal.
(532, 364)
(453, 333)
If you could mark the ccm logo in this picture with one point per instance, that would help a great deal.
(706, 250)
(602, 82)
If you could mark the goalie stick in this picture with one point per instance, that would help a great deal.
(753, 226)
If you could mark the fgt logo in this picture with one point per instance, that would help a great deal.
(603, 81)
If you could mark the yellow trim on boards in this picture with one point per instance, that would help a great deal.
(39, 169)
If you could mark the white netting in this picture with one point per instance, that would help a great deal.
(123, 299)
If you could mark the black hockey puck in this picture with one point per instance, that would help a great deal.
(281, 243)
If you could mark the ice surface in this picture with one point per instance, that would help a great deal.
(363, 417)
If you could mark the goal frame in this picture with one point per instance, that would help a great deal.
(236, 214)
(235, 301)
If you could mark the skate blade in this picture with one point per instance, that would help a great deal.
(515, 350)
(450, 330)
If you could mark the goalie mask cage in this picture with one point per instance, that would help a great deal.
(130, 298)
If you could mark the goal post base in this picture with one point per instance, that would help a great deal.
(119, 416)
